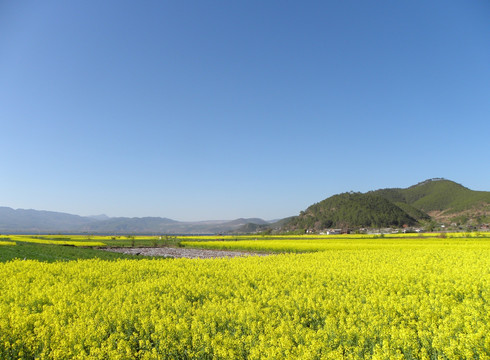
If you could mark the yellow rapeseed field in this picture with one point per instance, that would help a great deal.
(52, 241)
(4, 242)
(308, 244)
(379, 302)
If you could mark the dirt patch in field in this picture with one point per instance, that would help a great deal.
(182, 252)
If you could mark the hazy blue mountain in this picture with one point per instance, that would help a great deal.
(36, 221)
(438, 199)
(242, 221)
(122, 225)
(99, 217)
(39, 221)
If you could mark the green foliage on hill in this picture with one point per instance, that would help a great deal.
(393, 195)
(413, 212)
(351, 210)
(395, 207)
(438, 195)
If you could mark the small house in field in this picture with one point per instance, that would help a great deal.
(334, 232)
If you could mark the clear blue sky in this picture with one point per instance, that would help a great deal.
(199, 110)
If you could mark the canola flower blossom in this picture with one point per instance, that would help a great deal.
(338, 237)
(41, 240)
(3, 242)
(336, 243)
(386, 302)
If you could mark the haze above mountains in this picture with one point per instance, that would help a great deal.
(431, 200)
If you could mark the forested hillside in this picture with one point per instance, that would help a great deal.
(442, 199)
(350, 210)
(431, 200)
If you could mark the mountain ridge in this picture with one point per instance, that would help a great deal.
(43, 221)
(351, 210)
(439, 196)
(432, 200)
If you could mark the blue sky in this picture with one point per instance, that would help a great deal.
(198, 110)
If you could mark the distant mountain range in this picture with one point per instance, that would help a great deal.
(433, 200)
(35, 221)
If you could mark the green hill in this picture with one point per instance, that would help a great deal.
(351, 210)
(435, 199)
(442, 199)
(415, 213)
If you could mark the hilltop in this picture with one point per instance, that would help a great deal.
(352, 210)
(433, 200)
(443, 200)
(428, 202)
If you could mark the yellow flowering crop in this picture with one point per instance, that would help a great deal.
(2, 242)
(40, 240)
(354, 302)
(308, 244)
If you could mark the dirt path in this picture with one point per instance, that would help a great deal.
(182, 252)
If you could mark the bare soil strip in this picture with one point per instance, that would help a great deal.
(182, 252)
